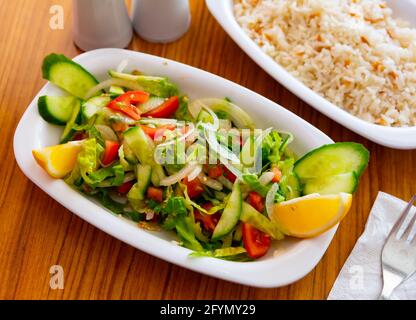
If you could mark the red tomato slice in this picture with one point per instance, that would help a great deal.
(256, 243)
(209, 221)
(194, 187)
(256, 201)
(125, 187)
(215, 171)
(277, 174)
(126, 103)
(110, 152)
(229, 175)
(166, 109)
(157, 132)
(155, 194)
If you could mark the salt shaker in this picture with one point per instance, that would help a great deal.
(101, 24)
(161, 20)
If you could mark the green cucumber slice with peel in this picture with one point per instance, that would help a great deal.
(231, 214)
(68, 75)
(332, 168)
(57, 110)
(68, 130)
(345, 182)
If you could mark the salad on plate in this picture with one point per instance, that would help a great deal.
(200, 168)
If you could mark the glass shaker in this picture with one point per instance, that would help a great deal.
(101, 24)
(161, 20)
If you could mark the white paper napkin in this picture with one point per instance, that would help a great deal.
(360, 277)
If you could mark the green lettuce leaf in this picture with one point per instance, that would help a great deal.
(253, 182)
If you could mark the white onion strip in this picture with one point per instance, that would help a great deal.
(131, 85)
(191, 129)
(269, 203)
(106, 132)
(178, 176)
(266, 178)
(212, 183)
(219, 149)
(195, 173)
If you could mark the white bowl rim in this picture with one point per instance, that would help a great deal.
(271, 272)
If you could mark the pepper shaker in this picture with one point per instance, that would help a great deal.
(101, 24)
(161, 20)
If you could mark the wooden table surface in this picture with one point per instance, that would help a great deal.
(36, 232)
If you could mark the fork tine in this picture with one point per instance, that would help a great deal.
(398, 225)
(409, 228)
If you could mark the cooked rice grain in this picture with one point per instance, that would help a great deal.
(352, 52)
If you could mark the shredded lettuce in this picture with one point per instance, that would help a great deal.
(174, 209)
(88, 159)
(289, 184)
(260, 221)
(108, 203)
(157, 86)
(183, 112)
(253, 182)
(231, 253)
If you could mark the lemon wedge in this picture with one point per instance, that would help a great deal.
(311, 215)
(58, 160)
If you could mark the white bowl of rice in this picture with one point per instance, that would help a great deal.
(353, 60)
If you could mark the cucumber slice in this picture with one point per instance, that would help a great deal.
(231, 214)
(157, 174)
(204, 116)
(141, 145)
(93, 105)
(333, 159)
(68, 75)
(259, 221)
(114, 90)
(75, 116)
(346, 182)
(137, 193)
(129, 155)
(56, 110)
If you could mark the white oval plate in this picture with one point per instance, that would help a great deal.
(399, 138)
(293, 258)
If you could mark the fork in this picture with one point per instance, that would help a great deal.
(398, 258)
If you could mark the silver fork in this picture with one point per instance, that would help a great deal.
(398, 258)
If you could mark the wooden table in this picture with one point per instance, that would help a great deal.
(36, 232)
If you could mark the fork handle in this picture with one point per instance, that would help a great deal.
(390, 282)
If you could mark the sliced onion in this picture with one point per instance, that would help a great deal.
(151, 104)
(113, 82)
(231, 168)
(129, 176)
(289, 139)
(195, 173)
(257, 149)
(225, 182)
(117, 198)
(266, 177)
(106, 132)
(219, 149)
(149, 215)
(237, 115)
(122, 65)
(212, 183)
(158, 121)
(178, 176)
(270, 199)
(181, 138)
(210, 126)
